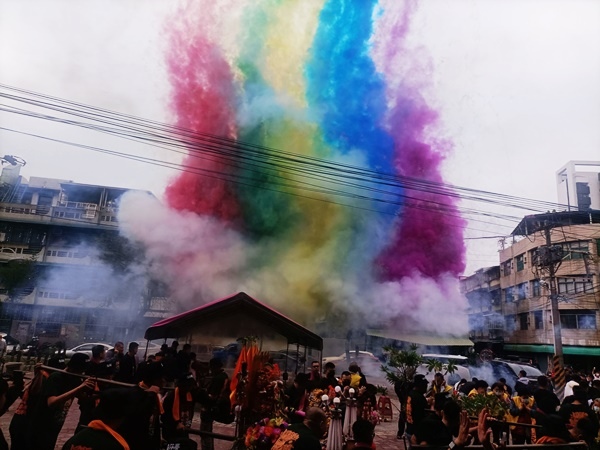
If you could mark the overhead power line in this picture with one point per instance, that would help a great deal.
(285, 170)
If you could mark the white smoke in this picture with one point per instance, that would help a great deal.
(201, 260)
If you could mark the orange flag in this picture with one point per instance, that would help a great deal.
(236, 373)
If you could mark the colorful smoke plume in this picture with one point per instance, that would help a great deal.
(330, 80)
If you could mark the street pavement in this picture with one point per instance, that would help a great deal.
(385, 432)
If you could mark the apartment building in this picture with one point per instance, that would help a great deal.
(486, 323)
(578, 186)
(570, 242)
(65, 273)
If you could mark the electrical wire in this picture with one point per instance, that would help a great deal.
(147, 129)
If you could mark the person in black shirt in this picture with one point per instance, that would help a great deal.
(363, 432)
(58, 393)
(101, 434)
(546, 401)
(97, 368)
(439, 428)
(594, 390)
(305, 435)
(578, 409)
(128, 367)
(141, 429)
(416, 405)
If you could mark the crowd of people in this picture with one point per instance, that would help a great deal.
(527, 413)
(126, 404)
(123, 403)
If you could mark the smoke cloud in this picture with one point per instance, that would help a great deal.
(332, 80)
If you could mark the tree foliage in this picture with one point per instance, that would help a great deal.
(16, 274)
(119, 252)
(401, 365)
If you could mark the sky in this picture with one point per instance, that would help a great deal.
(515, 84)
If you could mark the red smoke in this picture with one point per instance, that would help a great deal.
(202, 101)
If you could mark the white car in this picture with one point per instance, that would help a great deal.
(153, 348)
(462, 371)
(86, 348)
(367, 361)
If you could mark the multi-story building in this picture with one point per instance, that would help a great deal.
(578, 185)
(65, 273)
(570, 242)
(486, 323)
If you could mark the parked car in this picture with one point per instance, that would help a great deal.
(86, 348)
(228, 354)
(462, 370)
(286, 362)
(495, 369)
(367, 361)
(153, 348)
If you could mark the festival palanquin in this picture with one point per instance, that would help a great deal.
(258, 396)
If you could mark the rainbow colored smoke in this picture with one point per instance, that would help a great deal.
(328, 79)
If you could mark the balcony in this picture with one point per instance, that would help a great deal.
(66, 213)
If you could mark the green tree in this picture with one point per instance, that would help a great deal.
(16, 275)
(401, 365)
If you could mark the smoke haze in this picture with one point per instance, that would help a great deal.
(332, 80)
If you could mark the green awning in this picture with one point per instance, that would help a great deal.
(544, 348)
(421, 339)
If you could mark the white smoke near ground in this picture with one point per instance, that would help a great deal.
(84, 277)
(197, 257)
(202, 260)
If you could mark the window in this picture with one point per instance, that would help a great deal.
(496, 296)
(575, 285)
(538, 318)
(48, 329)
(524, 321)
(575, 250)
(536, 288)
(522, 291)
(520, 261)
(508, 294)
(509, 320)
(507, 267)
(578, 319)
(16, 312)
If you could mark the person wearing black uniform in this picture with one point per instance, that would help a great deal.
(416, 405)
(141, 430)
(58, 393)
(101, 432)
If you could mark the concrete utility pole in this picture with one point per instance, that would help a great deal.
(558, 361)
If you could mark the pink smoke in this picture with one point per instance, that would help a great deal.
(202, 101)
(428, 241)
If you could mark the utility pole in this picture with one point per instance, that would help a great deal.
(550, 262)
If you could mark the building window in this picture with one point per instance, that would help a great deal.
(496, 296)
(575, 285)
(509, 320)
(16, 312)
(578, 319)
(524, 321)
(536, 288)
(520, 262)
(507, 267)
(575, 250)
(48, 329)
(508, 294)
(538, 317)
(522, 291)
